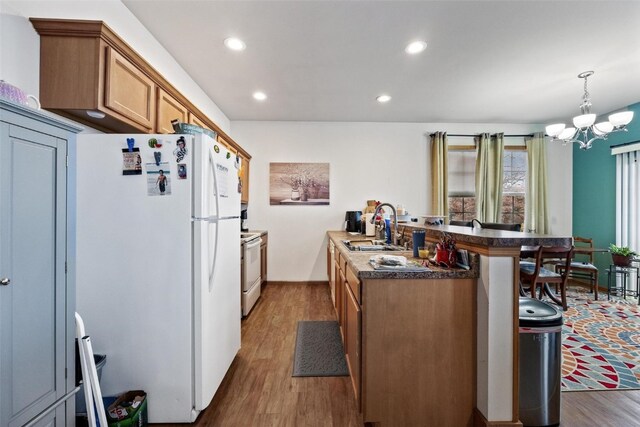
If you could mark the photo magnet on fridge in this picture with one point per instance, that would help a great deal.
(182, 171)
(131, 162)
(158, 179)
(181, 150)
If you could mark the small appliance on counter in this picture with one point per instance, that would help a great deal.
(244, 226)
(352, 221)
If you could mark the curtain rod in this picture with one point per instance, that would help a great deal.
(477, 134)
(625, 143)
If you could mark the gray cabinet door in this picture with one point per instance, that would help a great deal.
(32, 256)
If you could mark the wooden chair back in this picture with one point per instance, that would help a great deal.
(561, 255)
(584, 242)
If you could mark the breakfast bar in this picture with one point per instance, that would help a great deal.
(438, 345)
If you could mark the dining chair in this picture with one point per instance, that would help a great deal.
(582, 267)
(534, 274)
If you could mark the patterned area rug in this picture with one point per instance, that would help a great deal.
(601, 344)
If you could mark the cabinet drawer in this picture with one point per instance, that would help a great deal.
(129, 91)
(343, 264)
(354, 284)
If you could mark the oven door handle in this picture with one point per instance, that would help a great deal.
(253, 243)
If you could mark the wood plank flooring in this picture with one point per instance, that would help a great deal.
(259, 390)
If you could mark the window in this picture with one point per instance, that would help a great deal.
(462, 171)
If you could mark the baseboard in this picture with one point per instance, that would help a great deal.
(310, 282)
(480, 421)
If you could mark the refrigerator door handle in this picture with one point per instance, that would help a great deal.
(205, 218)
(212, 271)
(213, 260)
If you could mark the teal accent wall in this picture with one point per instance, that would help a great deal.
(594, 190)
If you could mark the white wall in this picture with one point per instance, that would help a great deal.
(382, 161)
(20, 45)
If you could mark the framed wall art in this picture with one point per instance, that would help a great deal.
(299, 183)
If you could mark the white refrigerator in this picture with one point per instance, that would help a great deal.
(158, 265)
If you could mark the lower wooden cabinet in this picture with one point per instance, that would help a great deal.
(340, 280)
(352, 322)
(410, 347)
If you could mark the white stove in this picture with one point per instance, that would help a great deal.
(250, 271)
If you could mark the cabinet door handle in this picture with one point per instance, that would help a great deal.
(5, 281)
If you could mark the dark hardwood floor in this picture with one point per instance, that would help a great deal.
(259, 390)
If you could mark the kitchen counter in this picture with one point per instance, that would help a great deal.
(409, 336)
(482, 237)
(471, 317)
(359, 261)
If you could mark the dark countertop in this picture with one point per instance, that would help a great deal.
(485, 237)
(359, 261)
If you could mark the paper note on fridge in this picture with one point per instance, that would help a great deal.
(223, 180)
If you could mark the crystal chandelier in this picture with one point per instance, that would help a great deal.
(585, 129)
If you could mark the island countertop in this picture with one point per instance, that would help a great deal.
(359, 262)
(488, 237)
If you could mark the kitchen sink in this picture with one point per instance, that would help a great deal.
(370, 245)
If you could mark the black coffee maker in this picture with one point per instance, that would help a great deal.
(352, 221)
(243, 220)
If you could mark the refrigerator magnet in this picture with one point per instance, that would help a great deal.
(182, 171)
(154, 143)
(130, 143)
(157, 155)
(216, 148)
(181, 149)
(158, 179)
(131, 162)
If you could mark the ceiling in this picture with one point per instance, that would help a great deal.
(486, 61)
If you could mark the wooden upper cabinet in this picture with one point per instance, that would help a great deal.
(85, 67)
(244, 177)
(194, 120)
(227, 144)
(169, 109)
(129, 91)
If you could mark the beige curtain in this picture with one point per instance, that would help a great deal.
(489, 177)
(536, 219)
(439, 174)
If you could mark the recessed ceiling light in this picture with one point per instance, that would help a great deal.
(415, 47)
(383, 98)
(259, 96)
(234, 43)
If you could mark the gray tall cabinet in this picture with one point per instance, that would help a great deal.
(37, 287)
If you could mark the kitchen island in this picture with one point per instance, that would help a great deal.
(439, 347)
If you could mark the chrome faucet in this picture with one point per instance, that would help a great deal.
(395, 220)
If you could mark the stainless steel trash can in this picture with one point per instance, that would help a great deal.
(81, 405)
(540, 363)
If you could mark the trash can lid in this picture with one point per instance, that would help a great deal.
(538, 314)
